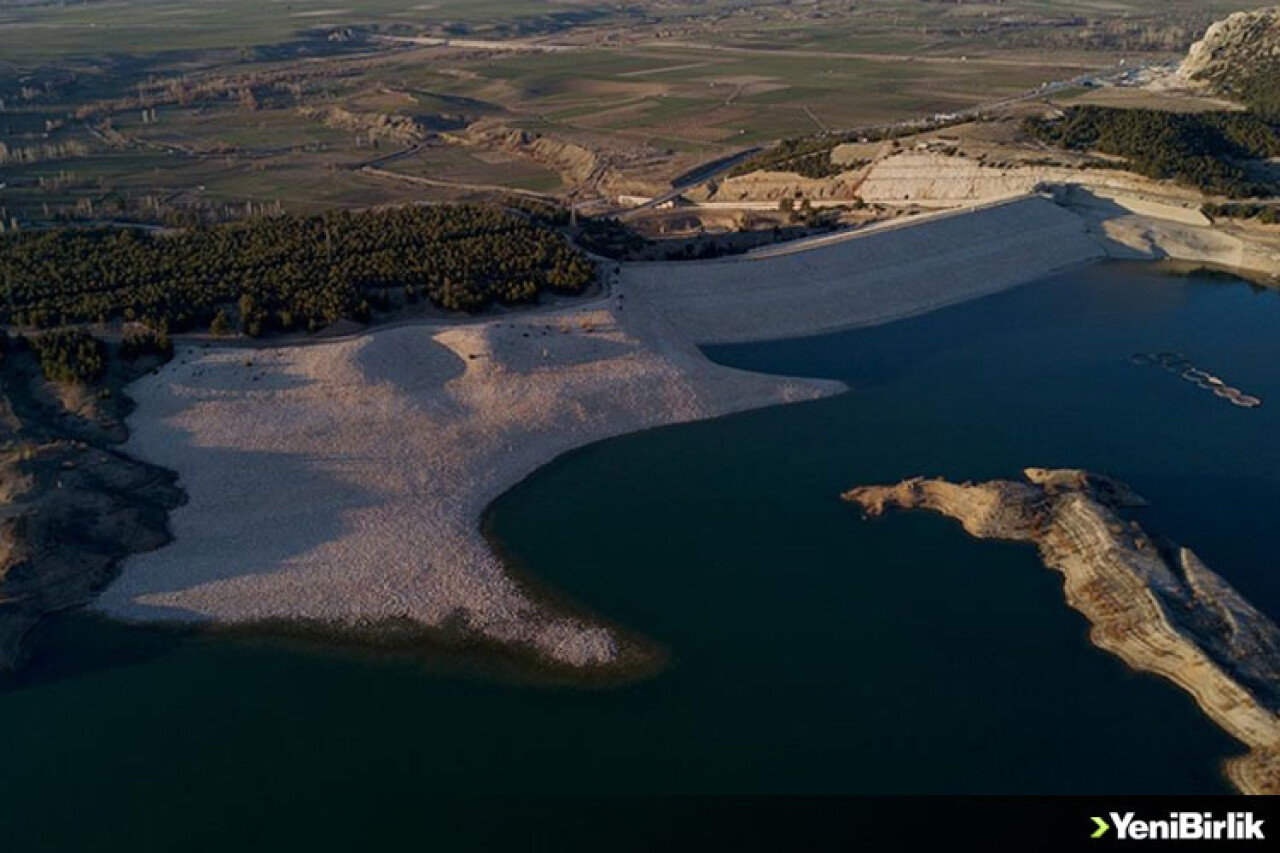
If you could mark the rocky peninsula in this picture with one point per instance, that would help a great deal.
(1152, 603)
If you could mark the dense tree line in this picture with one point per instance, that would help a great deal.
(1260, 90)
(1252, 76)
(284, 272)
(541, 212)
(809, 157)
(1204, 150)
(1267, 214)
(611, 238)
(69, 355)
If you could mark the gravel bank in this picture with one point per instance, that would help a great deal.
(343, 482)
(860, 279)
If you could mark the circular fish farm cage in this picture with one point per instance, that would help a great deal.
(1177, 363)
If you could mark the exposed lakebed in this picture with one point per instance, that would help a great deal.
(809, 651)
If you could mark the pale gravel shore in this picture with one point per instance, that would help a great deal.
(344, 482)
(872, 276)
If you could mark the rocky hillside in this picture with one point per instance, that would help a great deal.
(1240, 57)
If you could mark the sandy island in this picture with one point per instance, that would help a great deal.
(343, 482)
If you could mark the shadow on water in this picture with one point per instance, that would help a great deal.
(72, 644)
(80, 643)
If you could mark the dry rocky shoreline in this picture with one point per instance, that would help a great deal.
(400, 437)
(343, 482)
(1153, 604)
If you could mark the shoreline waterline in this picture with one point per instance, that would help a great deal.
(499, 399)
(764, 622)
(629, 357)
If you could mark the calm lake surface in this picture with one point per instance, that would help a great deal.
(812, 651)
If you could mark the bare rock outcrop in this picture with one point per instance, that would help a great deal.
(1238, 44)
(774, 186)
(401, 129)
(575, 163)
(1153, 604)
(926, 177)
(922, 177)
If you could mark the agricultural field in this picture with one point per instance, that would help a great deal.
(42, 30)
(467, 168)
(156, 110)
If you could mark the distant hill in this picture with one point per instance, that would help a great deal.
(1240, 57)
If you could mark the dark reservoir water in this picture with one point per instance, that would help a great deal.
(812, 651)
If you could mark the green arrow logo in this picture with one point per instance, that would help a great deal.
(1102, 828)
